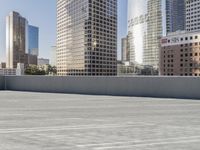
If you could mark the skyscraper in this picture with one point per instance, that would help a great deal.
(33, 41)
(154, 33)
(87, 37)
(20, 40)
(137, 28)
(145, 28)
(16, 46)
(175, 15)
(192, 15)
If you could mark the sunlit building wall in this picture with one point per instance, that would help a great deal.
(16, 43)
(87, 37)
(192, 15)
(145, 28)
(154, 33)
(21, 41)
(137, 28)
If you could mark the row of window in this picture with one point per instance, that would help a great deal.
(186, 74)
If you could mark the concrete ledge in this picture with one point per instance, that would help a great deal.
(2, 82)
(162, 87)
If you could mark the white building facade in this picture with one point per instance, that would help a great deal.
(87, 37)
(137, 27)
(192, 15)
(146, 25)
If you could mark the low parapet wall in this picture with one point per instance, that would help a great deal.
(162, 87)
(2, 83)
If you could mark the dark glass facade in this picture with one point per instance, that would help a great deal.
(33, 41)
(15, 39)
(175, 15)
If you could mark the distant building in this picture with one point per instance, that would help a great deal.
(33, 40)
(53, 59)
(175, 15)
(192, 15)
(43, 61)
(16, 30)
(3, 65)
(180, 55)
(125, 69)
(8, 72)
(125, 50)
(154, 33)
(87, 37)
(130, 69)
(20, 69)
(13, 72)
(31, 59)
(19, 36)
(145, 28)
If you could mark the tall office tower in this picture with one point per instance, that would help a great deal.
(175, 15)
(192, 15)
(87, 37)
(145, 27)
(16, 46)
(20, 40)
(33, 41)
(137, 28)
(154, 33)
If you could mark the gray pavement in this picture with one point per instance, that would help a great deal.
(42, 121)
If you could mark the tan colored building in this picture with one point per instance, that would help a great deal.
(16, 46)
(87, 37)
(21, 41)
(180, 54)
(192, 15)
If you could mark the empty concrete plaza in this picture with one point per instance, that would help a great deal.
(44, 121)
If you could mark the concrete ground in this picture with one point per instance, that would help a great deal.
(36, 121)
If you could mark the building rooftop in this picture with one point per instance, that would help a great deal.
(41, 121)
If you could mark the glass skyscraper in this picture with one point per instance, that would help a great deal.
(137, 28)
(87, 37)
(33, 41)
(154, 33)
(175, 15)
(16, 44)
(145, 28)
(21, 41)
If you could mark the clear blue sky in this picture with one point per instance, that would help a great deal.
(42, 13)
